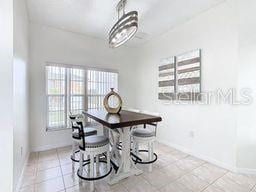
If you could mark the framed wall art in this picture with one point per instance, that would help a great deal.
(167, 79)
(189, 75)
(180, 77)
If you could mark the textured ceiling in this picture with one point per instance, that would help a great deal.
(96, 17)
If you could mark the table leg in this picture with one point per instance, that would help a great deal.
(113, 141)
(115, 152)
(127, 167)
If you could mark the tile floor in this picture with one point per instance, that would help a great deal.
(51, 171)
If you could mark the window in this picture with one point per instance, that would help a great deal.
(56, 96)
(65, 93)
(72, 90)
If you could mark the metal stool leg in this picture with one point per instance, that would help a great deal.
(108, 160)
(152, 151)
(91, 172)
(150, 154)
(73, 155)
(88, 168)
(81, 161)
(136, 148)
(97, 165)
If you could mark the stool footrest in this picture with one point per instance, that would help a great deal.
(139, 160)
(94, 178)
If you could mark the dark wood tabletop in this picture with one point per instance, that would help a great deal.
(123, 119)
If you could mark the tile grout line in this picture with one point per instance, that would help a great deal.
(37, 161)
(36, 164)
(173, 163)
(62, 176)
(49, 167)
(36, 167)
(189, 172)
(235, 182)
(253, 187)
(33, 185)
(211, 184)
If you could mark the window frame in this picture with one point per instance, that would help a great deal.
(68, 96)
(47, 101)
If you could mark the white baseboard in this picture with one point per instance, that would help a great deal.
(19, 183)
(205, 158)
(246, 171)
(52, 146)
(210, 160)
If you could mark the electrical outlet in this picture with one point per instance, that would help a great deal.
(191, 134)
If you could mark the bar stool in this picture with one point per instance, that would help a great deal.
(93, 147)
(89, 131)
(145, 135)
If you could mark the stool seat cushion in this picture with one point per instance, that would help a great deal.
(96, 141)
(88, 131)
(140, 132)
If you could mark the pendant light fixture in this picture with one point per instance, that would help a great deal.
(125, 27)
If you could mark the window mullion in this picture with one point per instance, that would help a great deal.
(66, 95)
(85, 90)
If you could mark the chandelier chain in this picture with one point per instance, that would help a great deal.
(121, 7)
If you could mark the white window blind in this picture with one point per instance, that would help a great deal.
(99, 84)
(77, 91)
(72, 90)
(56, 96)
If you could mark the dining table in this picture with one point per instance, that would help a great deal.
(121, 124)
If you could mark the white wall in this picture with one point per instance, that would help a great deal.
(20, 89)
(224, 134)
(6, 95)
(55, 45)
(246, 155)
(214, 125)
